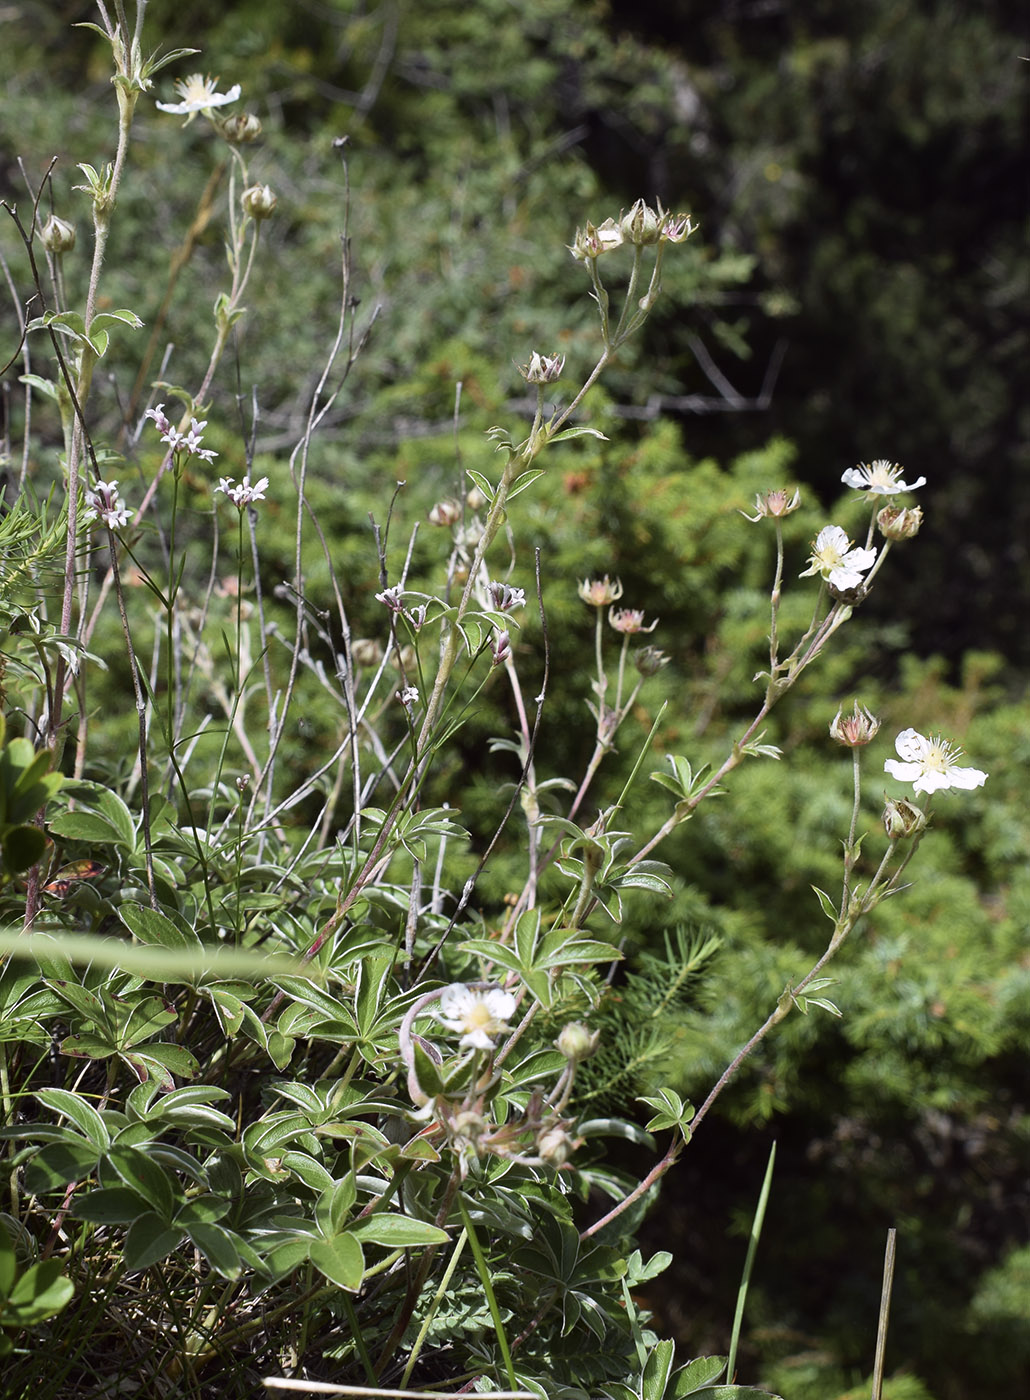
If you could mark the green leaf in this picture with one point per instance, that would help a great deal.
(149, 1239)
(657, 1371)
(397, 1231)
(56, 1165)
(567, 433)
(109, 1205)
(695, 1374)
(481, 481)
(827, 904)
(125, 318)
(307, 1168)
(81, 1113)
(85, 826)
(218, 1248)
(8, 1263)
(144, 1176)
(334, 1206)
(23, 846)
(40, 1292)
(426, 1070)
(735, 1392)
(340, 1260)
(43, 386)
(155, 929)
(523, 480)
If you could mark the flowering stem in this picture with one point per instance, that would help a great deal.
(849, 848)
(775, 600)
(141, 714)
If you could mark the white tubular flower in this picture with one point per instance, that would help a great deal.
(106, 504)
(476, 1016)
(246, 493)
(930, 765)
(834, 560)
(199, 94)
(880, 478)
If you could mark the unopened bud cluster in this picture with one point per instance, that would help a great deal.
(641, 227)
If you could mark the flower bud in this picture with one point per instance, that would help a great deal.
(542, 369)
(241, 129)
(445, 513)
(902, 819)
(469, 1124)
(642, 225)
(58, 235)
(259, 202)
(475, 500)
(578, 1042)
(856, 729)
(898, 524)
(555, 1147)
(649, 660)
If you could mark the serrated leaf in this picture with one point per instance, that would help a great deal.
(695, 1374)
(657, 1371)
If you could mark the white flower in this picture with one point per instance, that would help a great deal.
(198, 95)
(244, 494)
(833, 559)
(183, 442)
(930, 764)
(476, 1016)
(880, 478)
(106, 505)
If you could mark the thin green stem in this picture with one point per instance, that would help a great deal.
(488, 1288)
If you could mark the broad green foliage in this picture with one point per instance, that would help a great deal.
(372, 951)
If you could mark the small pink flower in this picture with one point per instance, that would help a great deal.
(600, 592)
(629, 620)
